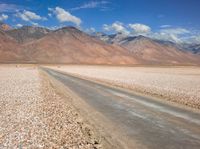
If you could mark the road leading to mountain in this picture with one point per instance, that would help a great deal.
(139, 121)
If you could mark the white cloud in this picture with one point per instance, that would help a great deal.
(3, 17)
(10, 7)
(116, 27)
(50, 9)
(28, 16)
(64, 16)
(166, 37)
(175, 31)
(165, 26)
(34, 24)
(167, 33)
(140, 28)
(193, 39)
(19, 25)
(92, 4)
(171, 34)
(49, 14)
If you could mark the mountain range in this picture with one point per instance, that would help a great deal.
(69, 45)
(119, 38)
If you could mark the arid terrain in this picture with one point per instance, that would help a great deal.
(177, 84)
(34, 115)
(71, 107)
(99, 74)
(129, 120)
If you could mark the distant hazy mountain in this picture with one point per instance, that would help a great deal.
(27, 33)
(120, 38)
(154, 52)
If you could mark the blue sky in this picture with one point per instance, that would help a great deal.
(175, 19)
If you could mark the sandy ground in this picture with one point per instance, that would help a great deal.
(177, 84)
(34, 115)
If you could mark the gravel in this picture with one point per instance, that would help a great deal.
(177, 84)
(34, 115)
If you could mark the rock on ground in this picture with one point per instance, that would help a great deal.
(34, 115)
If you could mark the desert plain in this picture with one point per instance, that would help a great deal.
(34, 114)
(179, 84)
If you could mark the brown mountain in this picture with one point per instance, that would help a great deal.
(70, 45)
(152, 52)
(27, 33)
(10, 50)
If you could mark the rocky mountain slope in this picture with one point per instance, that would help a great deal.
(10, 50)
(27, 33)
(70, 45)
(155, 53)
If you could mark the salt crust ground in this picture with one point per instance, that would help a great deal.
(33, 115)
(177, 84)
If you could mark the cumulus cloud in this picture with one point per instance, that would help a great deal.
(140, 28)
(18, 25)
(116, 27)
(29, 16)
(91, 4)
(171, 34)
(64, 16)
(3, 17)
(166, 32)
(49, 14)
(195, 39)
(166, 37)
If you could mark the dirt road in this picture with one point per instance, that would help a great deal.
(137, 122)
